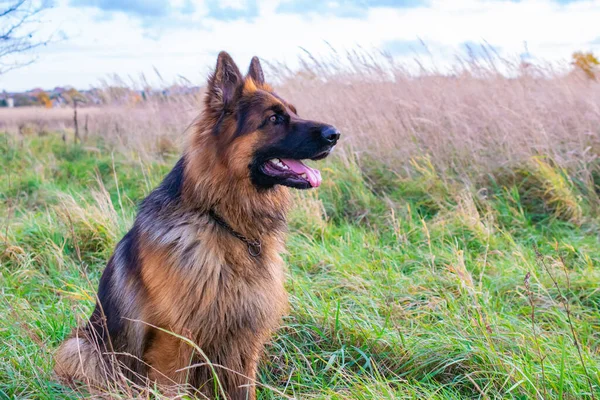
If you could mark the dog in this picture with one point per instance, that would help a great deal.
(195, 289)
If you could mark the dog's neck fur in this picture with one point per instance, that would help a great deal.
(211, 185)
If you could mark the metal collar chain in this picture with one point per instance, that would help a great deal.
(254, 246)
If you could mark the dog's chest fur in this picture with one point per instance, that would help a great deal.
(200, 279)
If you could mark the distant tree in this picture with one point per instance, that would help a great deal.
(19, 20)
(72, 96)
(586, 62)
(22, 100)
(44, 99)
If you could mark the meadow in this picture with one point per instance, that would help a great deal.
(452, 251)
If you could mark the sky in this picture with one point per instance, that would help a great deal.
(94, 39)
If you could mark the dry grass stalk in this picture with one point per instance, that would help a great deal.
(526, 281)
(563, 300)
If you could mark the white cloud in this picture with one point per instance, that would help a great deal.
(187, 44)
(235, 4)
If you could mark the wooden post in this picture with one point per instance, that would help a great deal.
(77, 137)
(85, 127)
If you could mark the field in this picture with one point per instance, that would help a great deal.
(452, 251)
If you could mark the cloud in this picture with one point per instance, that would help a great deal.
(342, 8)
(153, 16)
(142, 8)
(154, 11)
(230, 11)
(188, 7)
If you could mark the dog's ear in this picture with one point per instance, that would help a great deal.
(255, 71)
(223, 84)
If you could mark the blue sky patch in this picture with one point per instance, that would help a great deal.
(156, 16)
(143, 8)
(342, 8)
(525, 56)
(479, 50)
(401, 47)
(249, 11)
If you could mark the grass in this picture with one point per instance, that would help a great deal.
(404, 283)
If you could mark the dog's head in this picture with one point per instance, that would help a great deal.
(259, 135)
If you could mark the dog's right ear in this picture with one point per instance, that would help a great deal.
(223, 84)
(255, 71)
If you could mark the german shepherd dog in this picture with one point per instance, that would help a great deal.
(202, 260)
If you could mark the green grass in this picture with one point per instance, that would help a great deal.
(401, 285)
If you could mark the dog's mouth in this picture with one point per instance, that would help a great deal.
(294, 173)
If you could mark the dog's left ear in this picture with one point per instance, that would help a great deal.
(255, 71)
(224, 83)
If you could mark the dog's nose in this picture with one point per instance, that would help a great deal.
(330, 134)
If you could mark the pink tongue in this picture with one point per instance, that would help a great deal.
(313, 175)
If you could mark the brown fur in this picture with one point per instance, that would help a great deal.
(179, 271)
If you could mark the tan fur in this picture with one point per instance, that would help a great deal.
(199, 281)
(78, 359)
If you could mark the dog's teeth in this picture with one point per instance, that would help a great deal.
(303, 175)
(279, 163)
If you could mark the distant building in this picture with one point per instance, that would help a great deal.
(10, 102)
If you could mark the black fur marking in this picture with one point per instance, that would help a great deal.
(108, 307)
(247, 107)
(290, 106)
(243, 117)
(252, 112)
(129, 247)
(106, 315)
(277, 109)
(171, 186)
(127, 253)
(217, 128)
(149, 339)
(168, 192)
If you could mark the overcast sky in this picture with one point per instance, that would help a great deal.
(96, 38)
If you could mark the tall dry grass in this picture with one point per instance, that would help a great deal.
(156, 125)
(473, 120)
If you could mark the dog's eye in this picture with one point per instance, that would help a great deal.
(274, 118)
